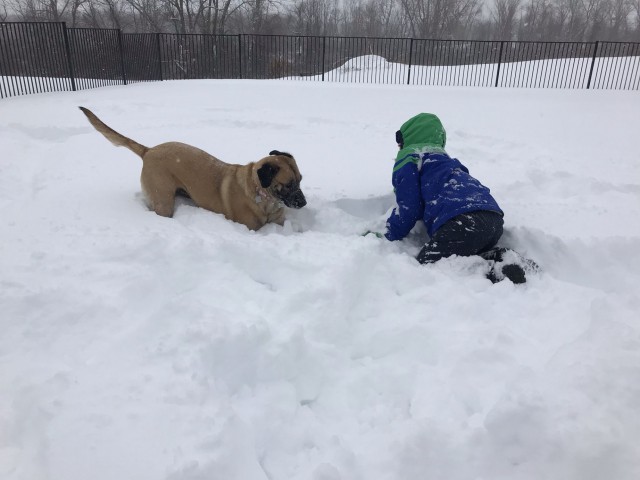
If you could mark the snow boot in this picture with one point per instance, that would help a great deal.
(506, 263)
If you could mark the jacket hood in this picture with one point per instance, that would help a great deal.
(425, 129)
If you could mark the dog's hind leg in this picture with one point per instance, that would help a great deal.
(164, 207)
(159, 195)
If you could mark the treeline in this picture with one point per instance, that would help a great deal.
(540, 20)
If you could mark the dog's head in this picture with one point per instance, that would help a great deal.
(278, 175)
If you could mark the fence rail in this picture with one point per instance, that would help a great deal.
(45, 57)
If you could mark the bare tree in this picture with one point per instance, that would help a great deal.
(186, 13)
(257, 10)
(593, 19)
(316, 17)
(617, 15)
(440, 18)
(503, 14)
(635, 8)
(47, 10)
(354, 19)
(372, 18)
(570, 20)
(133, 15)
(536, 20)
(111, 14)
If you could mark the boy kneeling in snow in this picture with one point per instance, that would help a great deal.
(461, 216)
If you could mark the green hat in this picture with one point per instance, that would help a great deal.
(425, 129)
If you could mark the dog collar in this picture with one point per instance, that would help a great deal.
(261, 195)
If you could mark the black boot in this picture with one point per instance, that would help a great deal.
(506, 263)
(514, 272)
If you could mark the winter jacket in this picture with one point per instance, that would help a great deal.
(430, 185)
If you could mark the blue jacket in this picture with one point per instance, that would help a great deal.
(435, 188)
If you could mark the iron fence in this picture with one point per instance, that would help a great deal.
(97, 57)
(45, 57)
(195, 56)
(34, 58)
(141, 57)
(616, 66)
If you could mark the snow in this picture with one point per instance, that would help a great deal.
(140, 347)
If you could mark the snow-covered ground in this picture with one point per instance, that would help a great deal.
(137, 347)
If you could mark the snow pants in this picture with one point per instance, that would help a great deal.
(467, 234)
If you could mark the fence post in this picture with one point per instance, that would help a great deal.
(124, 75)
(324, 46)
(499, 62)
(240, 53)
(159, 55)
(593, 62)
(68, 49)
(410, 60)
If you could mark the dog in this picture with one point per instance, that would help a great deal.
(252, 194)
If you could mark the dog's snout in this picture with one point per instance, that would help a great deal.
(296, 200)
(301, 202)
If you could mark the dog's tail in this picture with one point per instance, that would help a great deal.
(114, 137)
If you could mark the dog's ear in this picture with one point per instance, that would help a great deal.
(278, 152)
(266, 173)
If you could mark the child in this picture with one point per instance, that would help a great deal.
(461, 216)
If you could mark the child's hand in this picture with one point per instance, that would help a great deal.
(377, 234)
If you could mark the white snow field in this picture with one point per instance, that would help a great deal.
(136, 347)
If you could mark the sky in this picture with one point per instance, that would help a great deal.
(189, 348)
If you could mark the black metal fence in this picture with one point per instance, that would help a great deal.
(45, 57)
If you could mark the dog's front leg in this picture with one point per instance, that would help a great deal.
(277, 218)
(252, 221)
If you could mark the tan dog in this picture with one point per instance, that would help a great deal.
(251, 194)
